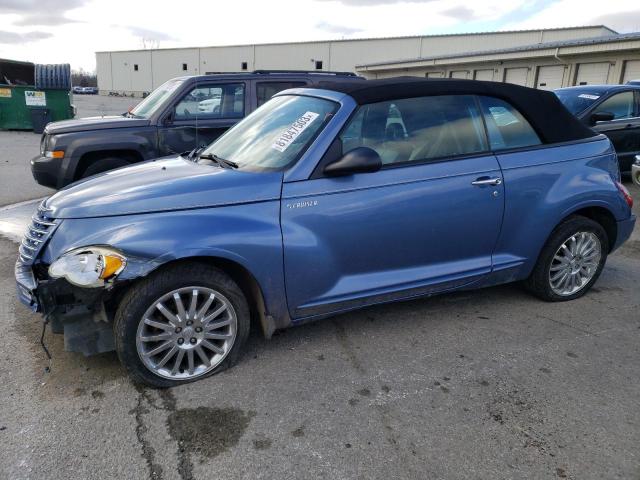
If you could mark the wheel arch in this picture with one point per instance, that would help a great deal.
(242, 276)
(599, 214)
(87, 158)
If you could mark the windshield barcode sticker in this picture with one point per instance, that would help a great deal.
(287, 137)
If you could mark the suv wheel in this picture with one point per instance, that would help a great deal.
(571, 260)
(181, 324)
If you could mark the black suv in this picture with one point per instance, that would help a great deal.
(610, 109)
(182, 114)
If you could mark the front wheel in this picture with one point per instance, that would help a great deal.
(181, 324)
(571, 260)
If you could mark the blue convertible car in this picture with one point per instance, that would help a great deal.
(324, 200)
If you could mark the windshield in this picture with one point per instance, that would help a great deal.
(156, 98)
(273, 136)
(577, 101)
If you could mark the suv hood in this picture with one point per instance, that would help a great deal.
(94, 123)
(162, 185)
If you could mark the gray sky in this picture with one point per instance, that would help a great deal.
(70, 31)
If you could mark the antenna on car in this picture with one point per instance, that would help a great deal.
(197, 145)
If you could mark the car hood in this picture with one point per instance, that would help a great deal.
(162, 185)
(94, 123)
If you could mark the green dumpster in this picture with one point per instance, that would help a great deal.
(19, 97)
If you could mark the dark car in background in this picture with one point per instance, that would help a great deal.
(613, 110)
(181, 115)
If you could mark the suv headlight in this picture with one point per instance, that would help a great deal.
(88, 266)
(44, 143)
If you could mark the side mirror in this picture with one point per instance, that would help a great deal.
(358, 160)
(601, 117)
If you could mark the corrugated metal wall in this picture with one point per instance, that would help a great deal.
(116, 71)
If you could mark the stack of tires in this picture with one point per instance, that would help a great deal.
(56, 77)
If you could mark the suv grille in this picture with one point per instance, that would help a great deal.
(40, 228)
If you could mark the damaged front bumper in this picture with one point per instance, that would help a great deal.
(78, 313)
(83, 314)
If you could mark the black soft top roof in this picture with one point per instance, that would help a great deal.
(551, 120)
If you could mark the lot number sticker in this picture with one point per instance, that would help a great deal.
(287, 137)
(588, 96)
(35, 99)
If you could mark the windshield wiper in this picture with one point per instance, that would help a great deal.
(223, 162)
(193, 153)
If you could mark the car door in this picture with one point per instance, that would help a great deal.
(201, 115)
(427, 221)
(624, 129)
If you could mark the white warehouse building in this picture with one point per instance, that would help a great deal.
(545, 58)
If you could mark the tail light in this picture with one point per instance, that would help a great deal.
(625, 193)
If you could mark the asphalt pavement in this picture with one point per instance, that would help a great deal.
(17, 148)
(492, 384)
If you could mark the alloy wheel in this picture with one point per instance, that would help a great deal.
(186, 333)
(575, 263)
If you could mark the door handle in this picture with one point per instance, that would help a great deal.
(482, 181)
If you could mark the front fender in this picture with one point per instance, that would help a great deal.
(248, 235)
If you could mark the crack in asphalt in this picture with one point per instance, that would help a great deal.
(148, 452)
(168, 404)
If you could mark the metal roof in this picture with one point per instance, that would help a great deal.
(348, 40)
(525, 48)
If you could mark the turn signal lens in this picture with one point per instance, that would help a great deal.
(54, 154)
(112, 265)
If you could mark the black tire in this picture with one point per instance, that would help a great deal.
(104, 165)
(136, 301)
(539, 283)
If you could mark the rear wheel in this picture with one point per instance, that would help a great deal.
(571, 261)
(104, 165)
(182, 324)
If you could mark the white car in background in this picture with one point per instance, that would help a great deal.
(210, 105)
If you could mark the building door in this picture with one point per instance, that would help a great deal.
(593, 73)
(550, 77)
(459, 74)
(486, 75)
(517, 76)
(631, 70)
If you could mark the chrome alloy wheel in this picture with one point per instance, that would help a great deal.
(575, 263)
(183, 342)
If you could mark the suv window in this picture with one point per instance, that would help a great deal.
(506, 126)
(266, 90)
(621, 105)
(417, 129)
(150, 104)
(212, 101)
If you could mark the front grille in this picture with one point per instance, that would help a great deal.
(39, 230)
